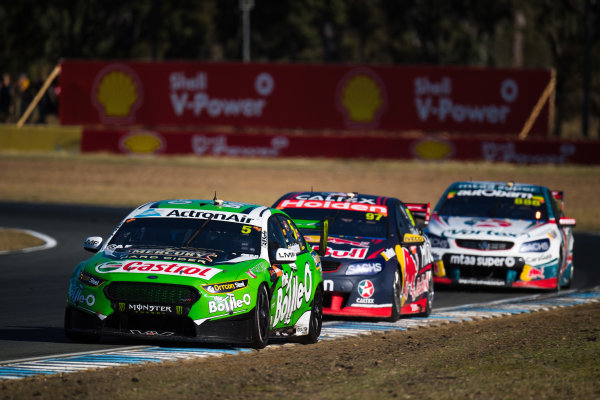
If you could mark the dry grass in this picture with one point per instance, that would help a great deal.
(12, 239)
(130, 181)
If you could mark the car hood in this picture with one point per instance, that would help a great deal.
(350, 250)
(168, 264)
(482, 228)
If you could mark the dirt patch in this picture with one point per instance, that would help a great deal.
(544, 355)
(12, 239)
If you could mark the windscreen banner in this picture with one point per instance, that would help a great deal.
(305, 96)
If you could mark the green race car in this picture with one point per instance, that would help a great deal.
(199, 270)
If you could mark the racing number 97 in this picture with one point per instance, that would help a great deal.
(373, 216)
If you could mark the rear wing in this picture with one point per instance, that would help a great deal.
(322, 226)
(559, 196)
(420, 210)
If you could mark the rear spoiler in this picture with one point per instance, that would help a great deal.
(560, 196)
(420, 210)
(323, 226)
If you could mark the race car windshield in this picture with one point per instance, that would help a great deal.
(495, 207)
(345, 223)
(203, 234)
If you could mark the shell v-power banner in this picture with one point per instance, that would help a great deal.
(303, 96)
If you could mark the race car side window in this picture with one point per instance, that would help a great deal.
(412, 225)
(276, 238)
(293, 238)
(402, 223)
(556, 208)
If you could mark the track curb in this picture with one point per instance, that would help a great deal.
(332, 330)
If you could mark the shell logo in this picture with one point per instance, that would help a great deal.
(432, 149)
(142, 142)
(362, 98)
(117, 94)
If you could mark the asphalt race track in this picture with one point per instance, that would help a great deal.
(34, 285)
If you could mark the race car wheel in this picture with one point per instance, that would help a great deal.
(316, 319)
(75, 336)
(571, 271)
(261, 321)
(559, 274)
(430, 294)
(396, 296)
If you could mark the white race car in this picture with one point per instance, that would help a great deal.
(501, 234)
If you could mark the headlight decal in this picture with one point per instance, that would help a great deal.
(226, 287)
(90, 280)
(365, 268)
(536, 246)
(438, 241)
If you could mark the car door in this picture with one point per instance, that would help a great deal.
(293, 289)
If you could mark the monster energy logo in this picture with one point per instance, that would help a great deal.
(149, 309)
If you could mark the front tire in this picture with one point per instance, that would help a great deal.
(396, 296)
(559, 274)
(316, 319)
(261, 320)
(430, 295)
(74, 335)
(571, 271)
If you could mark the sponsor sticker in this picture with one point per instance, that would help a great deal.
(366, 289)
(292, 294)
(77, 295)
(364, 268)
(480, 261)
(150, 309)
(164, 268)
(214, 215)
(333, 205)
(90, 280)
(228, 304)
(226, 287)
(202, 257)
(150, 333)
(356, 253)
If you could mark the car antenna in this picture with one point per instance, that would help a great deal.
(217, 202)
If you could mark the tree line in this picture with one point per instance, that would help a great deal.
(35, 36)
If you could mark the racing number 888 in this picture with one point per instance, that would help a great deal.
(527, 202)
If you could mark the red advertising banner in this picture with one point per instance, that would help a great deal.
(302, 96)
(531, 151)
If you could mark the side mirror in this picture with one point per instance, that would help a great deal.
(285, 256)
(323, 227)
(323, 241)
(93, 243)
(412, 240)
(567, 222)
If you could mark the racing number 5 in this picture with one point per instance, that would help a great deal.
(246, 229)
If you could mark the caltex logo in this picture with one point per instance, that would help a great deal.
(366, 288)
